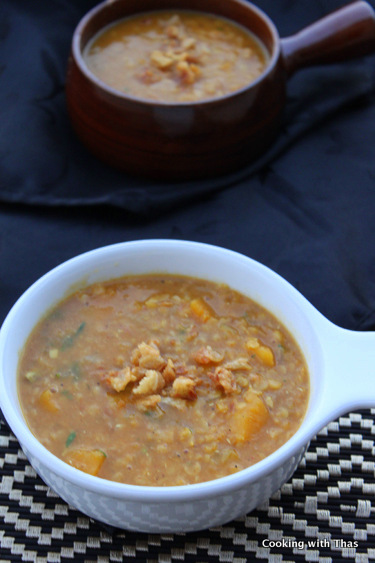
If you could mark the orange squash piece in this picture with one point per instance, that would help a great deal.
(201, 309)
(248, 418)
(47, 400)
(264, 353)
(89, 461)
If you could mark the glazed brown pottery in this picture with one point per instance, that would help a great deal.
(191, 140)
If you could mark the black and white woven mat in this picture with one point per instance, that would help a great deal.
(325, 513)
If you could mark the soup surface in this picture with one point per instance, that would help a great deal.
(175, 56)
(161, 380)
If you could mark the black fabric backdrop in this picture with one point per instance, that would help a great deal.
(306, 208)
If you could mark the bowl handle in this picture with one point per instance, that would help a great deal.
(349, 358)
(346, 33)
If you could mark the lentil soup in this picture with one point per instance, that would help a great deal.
(161, 380)
(176, 56)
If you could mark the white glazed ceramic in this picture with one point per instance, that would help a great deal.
(340, 365)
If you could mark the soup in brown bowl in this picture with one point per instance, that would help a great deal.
(177, 114)
(176, 56)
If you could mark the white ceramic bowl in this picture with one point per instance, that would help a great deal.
(340, 364)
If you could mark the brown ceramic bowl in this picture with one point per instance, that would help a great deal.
(191, 140)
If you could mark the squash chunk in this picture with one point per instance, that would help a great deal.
(89, 461)
(264, 353)
(47, 400)
(201, 309)
(248, 418)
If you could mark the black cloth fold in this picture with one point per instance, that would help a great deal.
(43, 163)
(305, 208)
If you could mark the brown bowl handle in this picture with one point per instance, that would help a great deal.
(346, 33)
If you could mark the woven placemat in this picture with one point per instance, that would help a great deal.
(325, 513)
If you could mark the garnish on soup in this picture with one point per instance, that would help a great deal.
(161, 380)
(176, 56)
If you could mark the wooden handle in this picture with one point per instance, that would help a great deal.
(346, 33)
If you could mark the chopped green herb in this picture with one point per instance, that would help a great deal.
(247, 318)
(69, 340)
(75, 370)
(57, 314)
(101, 451)
(70, 439)
(67, 394)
